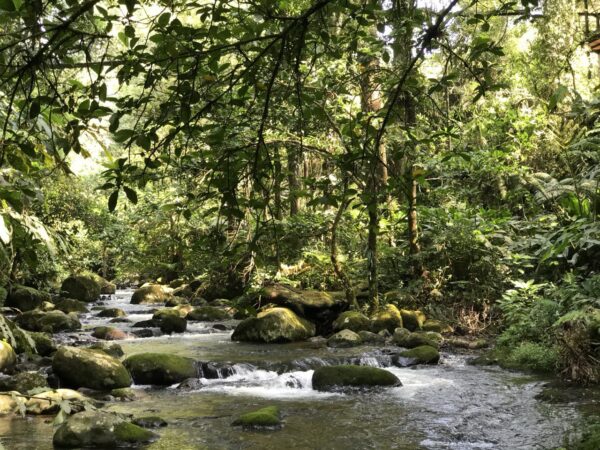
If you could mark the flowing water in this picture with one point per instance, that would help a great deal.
(449, 406)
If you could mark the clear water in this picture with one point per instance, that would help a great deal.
(449, 406)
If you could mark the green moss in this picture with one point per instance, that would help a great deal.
(173, 324)
(123, 393)
(23, 382)
(274, 325)
(111, 312)
(423, 354)
(344, 338)
(352, 320)
(332, 377)
(264, 417)
(590, 439)
(412, 320)
(437, 326)
(82, 288)
(48, 322)
(404, 338)
(387, 318)
(128, 432)
(19, 339)
(208, 314)
(160, 368)
(152, 293)
(26, 298)
(43, 343)
(68, 305)
(3, 295)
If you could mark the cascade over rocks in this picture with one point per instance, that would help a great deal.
(160, 368)
(94, 369)
(82, 288)
(274, 325)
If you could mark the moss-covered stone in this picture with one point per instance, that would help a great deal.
(109, 334)
(81, 287)
(267, 417)
(344, 338)
(369, 337)
(113, 349)
(412, 320)
(151, 293)
(26, 298)
(330, 378)
(49, 402)
(123, 394)
(95, 429)
(437, 326)
(173, 324)
(404, 338)
(112, 312)
(68, 305)
(44, 344)
(23, 382)
(352, 320)
(424, 354)
(471, 344)
(387, 318)
(208, 314)
(48, 322)
(8, 357)
(150, 422)
(160, 368)
(274, 325)
(106, 287)
(19, 339)
(94, 369)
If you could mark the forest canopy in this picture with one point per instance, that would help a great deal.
(444, 153)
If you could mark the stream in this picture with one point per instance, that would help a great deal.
(453, 405)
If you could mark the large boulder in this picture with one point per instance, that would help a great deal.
(387, 318)
(423, 354)
(208, 314)
(352, 320)
(151, 293)
(81, 287)
(48, 322)
(412, 320)
(26, 298)
(23, 382)
(267, 417)
(96, 429)
(111, 312)
(68, 305)
(404, 338)
(106, 287)
(19, 339)
(344, 338)
(274, 325)
(94, 369)
(329, 378)
(8, 357)
(160, 368)
(173, 324)
(109, 334)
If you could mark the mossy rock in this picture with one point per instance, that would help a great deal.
(369, 337)
(160, 368)
(412, 320)
(274, 325)
(344, 339)
(48, 322)
(113, 349)
(123, 394)
(352, 320)
(94, 369)
(20, 340)
(109, 334)
(267, 417)
(106, 287)
(44, 343)
(471, 344)
(173, 324)
(387, 318)
(208, 314)
(23, 382)
(81, 287)
(331, 378)
(8, 357)
(96, 429)
(437, 326)
(151, 293)
(404, 338)
(26, 298)
(424, 354)
(111, 312)
(68, 305)
(150, 422)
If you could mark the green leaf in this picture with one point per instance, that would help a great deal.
(122, 135)
(112, 201)
(34, 109)
(131, 195)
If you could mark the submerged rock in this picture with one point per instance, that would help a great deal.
(404, 338)
(208, 314)
(97, 429)
(412, 320)
(424, 354)
(111, 312)
(82, 288)
(48, 322)
(109, 334)
(149, 422)
(151, 293)
(344, 338)
(94, 369)
(8, 357)
(173, 324)
(160, 368)
(387, 318)
(352, 320)
(26, 298)
(274, 325)
(267, 417)
(329, 378)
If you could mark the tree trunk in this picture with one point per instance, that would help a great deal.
(294, 185)
(337, 267)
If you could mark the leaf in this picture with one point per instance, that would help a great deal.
(558, 96)
(112, 200)
(122, 135)
(34, 109)
(131, 195)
